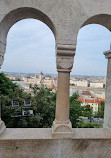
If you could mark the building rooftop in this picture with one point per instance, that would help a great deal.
(91, 100)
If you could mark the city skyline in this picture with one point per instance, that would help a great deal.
(50, 74)
(31, 47)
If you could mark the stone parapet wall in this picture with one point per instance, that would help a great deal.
(50, 148)
(38, 143)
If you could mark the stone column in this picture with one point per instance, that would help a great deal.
(107, 112)
(2, 50)
(62, 126)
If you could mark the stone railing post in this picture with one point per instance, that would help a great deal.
(107, 112)
(2, 51)
(62, 126)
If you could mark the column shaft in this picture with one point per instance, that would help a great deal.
(107, 112)
(62, 102)
(62, 126)
(2, 51)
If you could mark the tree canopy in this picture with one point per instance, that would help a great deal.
(43, 102)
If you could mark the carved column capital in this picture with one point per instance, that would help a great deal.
(65, 57)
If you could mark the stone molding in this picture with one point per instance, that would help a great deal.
(2, 52)
(65, 57)
(62, 129)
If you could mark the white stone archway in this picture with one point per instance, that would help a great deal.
(64, 18)
(105, 20)
(64, 61)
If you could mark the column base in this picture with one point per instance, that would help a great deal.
(2, 127)
(62, 129)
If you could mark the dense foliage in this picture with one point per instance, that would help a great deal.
(83, 124)
(43, 102)
(100, 113)
(75, 109)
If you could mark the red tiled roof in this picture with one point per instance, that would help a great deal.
(93, 100)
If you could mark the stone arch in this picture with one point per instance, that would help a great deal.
(88, 44)
(102, 19)
(16, 15)
(65, 52)
(22, 13)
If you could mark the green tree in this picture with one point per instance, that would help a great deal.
(10, 91)
(44, 103)
(87, 111)
(75, 109)
(100, 113)
(6, 85)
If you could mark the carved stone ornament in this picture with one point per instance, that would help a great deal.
(65, 57)
(62, 130)
(65, 62)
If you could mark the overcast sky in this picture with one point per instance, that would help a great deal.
(31, 48)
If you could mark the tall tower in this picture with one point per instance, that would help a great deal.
(41, 76)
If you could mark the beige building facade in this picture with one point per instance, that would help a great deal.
(96, 85)
(82, 83)
(93, 105)
(79, 83)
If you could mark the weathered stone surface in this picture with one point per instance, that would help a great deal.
(62, 124)
(2, 51)
(65, 18)
(38, 143)
(62, 129)
(65, 57)
(2, 127)
(46, 133)
(107, 112)
(75, 148)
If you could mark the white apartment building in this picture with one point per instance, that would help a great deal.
(82, 83)
(96, 85)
